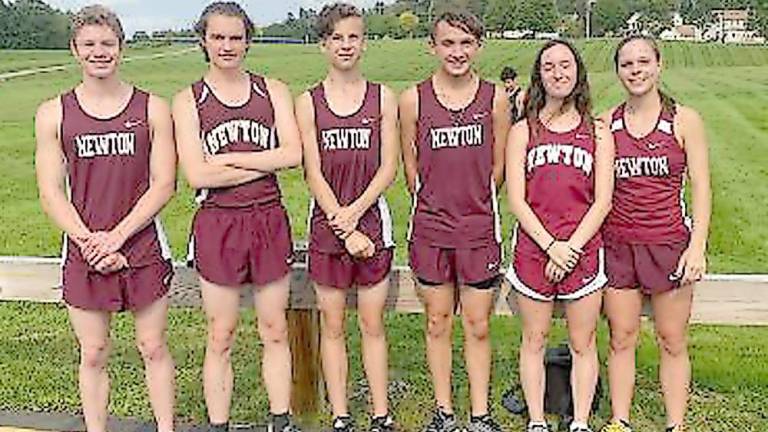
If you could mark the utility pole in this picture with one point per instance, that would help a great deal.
(589, 18)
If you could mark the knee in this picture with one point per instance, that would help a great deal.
(476, 328)
(438, 324)
(273, 330)
(333, 328)
(94, 355)
(673, 344)
(583, 346)
(220, 341)
(372, 327)
(624, 339)
(534, 341)
(152, 349)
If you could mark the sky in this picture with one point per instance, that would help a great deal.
(152, 15)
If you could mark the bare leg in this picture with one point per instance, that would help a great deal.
(152, 341)
(671, 312)
(439, 304)
(537, 319)
(271, 302)
(92, 331)
(476, 306)
(221, 306)
(623, 308)
(582, 316)
(333, 347)
(370, 304)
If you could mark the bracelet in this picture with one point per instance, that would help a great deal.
(546, 249)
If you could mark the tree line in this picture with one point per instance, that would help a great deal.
(27, 24)
(35, 24)
(407, 18)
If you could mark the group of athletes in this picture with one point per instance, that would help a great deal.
(598, 202)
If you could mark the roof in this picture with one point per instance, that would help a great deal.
(731, 14)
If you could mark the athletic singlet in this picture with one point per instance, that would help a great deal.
(455, 203)
(350, 156)
(648, 204)
(249, 127)
(108, 172)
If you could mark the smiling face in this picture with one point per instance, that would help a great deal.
(639, 67)
(559, 71)
(345, 45)
(455, 48)
(97, 48)
(225, 41)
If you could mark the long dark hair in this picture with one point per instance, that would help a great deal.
(536, 96)
(667, 102)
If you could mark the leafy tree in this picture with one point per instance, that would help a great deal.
(408, 22)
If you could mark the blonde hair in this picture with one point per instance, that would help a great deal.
(97, 15)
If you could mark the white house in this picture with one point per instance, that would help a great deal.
(730, 26)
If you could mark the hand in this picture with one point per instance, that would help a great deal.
(359, 245)
(564, 255)
(112, 263)
(100, 244)
(554, 273)
(344, 220)
(692, 265)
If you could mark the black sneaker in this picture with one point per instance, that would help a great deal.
(484, 423)
(442, 422)
(382, 424)
(343, 424)
(282, 423)
(209, 427)
(677, 428)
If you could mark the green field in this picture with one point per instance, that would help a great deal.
(39, 358)
(728, 85)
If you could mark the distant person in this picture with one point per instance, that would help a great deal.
(234, 130)
(515, 93)
(651, 248)
(453, 128)
(111, 144)
(351, 151)
(559, 182)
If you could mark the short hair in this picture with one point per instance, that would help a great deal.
(97, 15)
(508, 73)
(227, 8)
(462, 19)
(331, 14)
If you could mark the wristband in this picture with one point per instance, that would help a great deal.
(546, 249)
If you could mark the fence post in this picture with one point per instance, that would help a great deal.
(304, 337)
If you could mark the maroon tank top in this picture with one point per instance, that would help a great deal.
(249, 127)
(108, 171)
(648, 204)
(350, 156)
(455, 203)
(559, 182)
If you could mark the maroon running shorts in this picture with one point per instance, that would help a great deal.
(237, 246)
(435, 265)
(649, 267)
(344, 271)
(527, 275)
(132, 288)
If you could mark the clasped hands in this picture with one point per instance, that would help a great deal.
(563, 258)
(344, 222)
(101, 250)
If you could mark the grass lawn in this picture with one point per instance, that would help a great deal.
(728, 85)
(39, 357)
